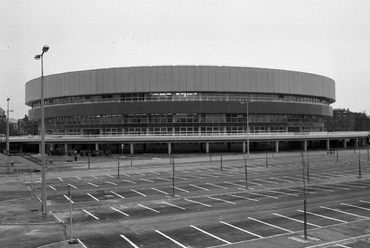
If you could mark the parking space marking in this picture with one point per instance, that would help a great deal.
(142, 174)
(111, 183)
(343, 212)
(240, 229)
(198, 187)
(129, 181)
(163, 192)
(29, 188)
(209, 234)
(251, 183)
(354, 186)
(268, 224)
(125, 174)
(93, 184)
(283, 180)
(110, 176)
(52, 187)
(289, 218)
(299, 190)
(181, 178)
(156, 211)
(344, 246)
(119, 211)
(90, 214)
(218, 199)
(198, 202)
(154, 172)
(364, 201)
(59, 179)
(67, 198)
(283, 193)
(78, 178)
(335, 187)
(164, 179)
(176, 242)
(129, 241)
(72, 186)
(146, 180)
(295, 178)
(323, 216)
(184, 190)
(238, 185)
(328, 190)
(238, 196)
(137, 192)
(41, 200)
(218, 186)
(94, 176)
(270, 196)
(96, 199)
(117, 194)
(173, 205)
(266, 181)
(354, 206)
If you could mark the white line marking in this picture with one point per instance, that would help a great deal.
(218, 186)
(140, 174)
(344, 246)
(164, 235)
(217, 199)
(296, 190)
(253, 193)
(181, 189)
(350, 205)
(238, 185)
(295, 178)
(149, 208)
(146, 180)
(214, 236)
(318, 189)
(60, 179)
(138, 192)
(109, 175)
(80, 242)
(125, 174)
(283, 180)
(198, 203)
(335, 187)
(351, 185)
(181, 178)
(52, 187)
(55, 217)
(154, 172)
(241, 229)
(93, 184)
(117, 194)
(29, 188)
(237, 196)
(129, 241)
(111, 183)
(266, 181)
(174, 205)
(78, 178)
(160, 191)
(39, 199)
(119, 211)
(336, 210)
(286, 230)
(323, 216)
(165, 179)
(129, 181)
(93, 176)
(72, 186)
(198, 187)
(251, 183)
(289, 218)
(278, 192)
(90, 214)
(68, 198)
(96, 199)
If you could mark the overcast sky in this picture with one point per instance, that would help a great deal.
(325, 37)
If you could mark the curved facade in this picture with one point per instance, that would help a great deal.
(187, 100)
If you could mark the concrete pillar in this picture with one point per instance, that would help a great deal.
(131, 148)
(305, 145)
(21, 148)
(356, 142)
(96, 146)
(277, 146)
(207, 147)
(228, 146)
(344, 144)
(40, 148)
(169, 148)
(327, 145)
(244, 147)
(65, 147)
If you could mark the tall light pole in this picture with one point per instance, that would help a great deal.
(7, 132)
(247, 103)
(42, 131)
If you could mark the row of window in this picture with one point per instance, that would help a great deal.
(192, 96)
(180, 118)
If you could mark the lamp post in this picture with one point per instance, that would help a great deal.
(42, 130)
(247, 103)
(7, 132)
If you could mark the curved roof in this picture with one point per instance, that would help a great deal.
(181, 79)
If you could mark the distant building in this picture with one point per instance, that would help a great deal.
(344, 120)
(27, 127)
(2, 115)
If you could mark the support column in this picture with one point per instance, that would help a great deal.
(344, 144)
(207, 147)
(131, 148)
(305, 145)
(356, 142)
(96, 146)
(327, 145)
(277, 146)
(39, 148)
(169, 148)
(65, 147)
(244, 147)
(21, 148)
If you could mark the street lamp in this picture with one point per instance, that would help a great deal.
(247, 103)
(42, 130)
(7, 132)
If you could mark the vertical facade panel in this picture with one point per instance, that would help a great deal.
(160, 75)
(110, 83)
(76, 83)
(67, 89)
(219, 79)
(270, 81)
(239, 79)
(99, 81)
(167, 79)
(153, 79)
(253, 78)
(197, 78)
(139, 79)
(146, 79)
(205, 78)
(212, 78)
(189, 78)
(93, 83)
(182, 78)
(86, 83)
(131, 79)
(175, 79)
(233, 84)
(118, 84)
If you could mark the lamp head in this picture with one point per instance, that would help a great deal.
(37, 56)
(45, 48)
(8, 99)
